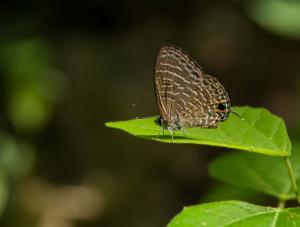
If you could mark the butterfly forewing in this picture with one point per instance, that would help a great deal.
(186, 97)
(173, 71)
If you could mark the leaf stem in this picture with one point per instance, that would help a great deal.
(292, 178)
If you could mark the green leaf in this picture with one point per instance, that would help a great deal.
(259, 131)
(235, 213)
(262, 173)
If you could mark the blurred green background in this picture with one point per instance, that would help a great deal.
(68, 67)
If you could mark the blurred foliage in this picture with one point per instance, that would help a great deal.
(16, 161)
(278, 16)
(32, 84)
(4, 191)
(220, 191)
(252, 171)
(65, 69)
(16, 158)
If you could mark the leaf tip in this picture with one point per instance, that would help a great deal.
(109, 124)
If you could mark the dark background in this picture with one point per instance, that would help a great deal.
(66, 68)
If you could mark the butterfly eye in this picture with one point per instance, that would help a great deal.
(222, 106)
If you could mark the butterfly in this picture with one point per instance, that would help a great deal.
(186, 96)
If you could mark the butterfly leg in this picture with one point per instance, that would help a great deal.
(183, 131)
(171, 132)
(161, 132)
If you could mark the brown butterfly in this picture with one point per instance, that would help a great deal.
(186, 96)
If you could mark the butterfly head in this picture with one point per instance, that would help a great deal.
(223, 109)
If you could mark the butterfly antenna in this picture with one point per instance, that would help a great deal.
(238, 115)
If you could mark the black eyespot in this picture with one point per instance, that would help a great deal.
(222, 106)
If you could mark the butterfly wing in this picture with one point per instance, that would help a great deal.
(185, 95)
(174, 70)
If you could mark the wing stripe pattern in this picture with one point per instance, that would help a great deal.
(187, 97)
